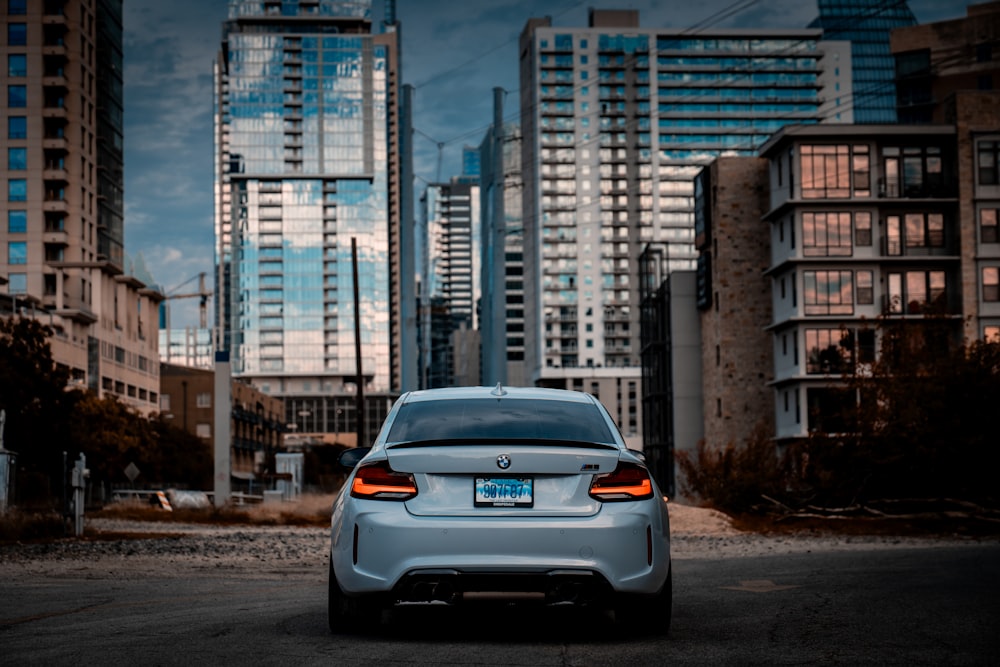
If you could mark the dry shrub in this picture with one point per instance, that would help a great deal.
(17, 526)
(733, 478)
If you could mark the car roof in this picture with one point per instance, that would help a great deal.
(498, 391)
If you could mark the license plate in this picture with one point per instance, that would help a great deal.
(505, 492)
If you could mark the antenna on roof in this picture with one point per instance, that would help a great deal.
(498, 390)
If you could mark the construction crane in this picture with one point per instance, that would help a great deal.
(203, 293)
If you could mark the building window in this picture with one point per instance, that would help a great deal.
(17, 7)
(17, 283)
(991, 334)
(984, 52)
(17, 159)
(912, 171)
(164, 402)
(861, 171)
(17, 127)
(988, 162)
(911, 293)
(17, 65)
(17, 189)
(828, 351)
(826, 234)
(828, 293)
(924, 230)
(203, 430)
(17, 252)
(17, 34)
(203, 400)
(988, 230)
(828, 408)
(865, 289)
(17, 97)
(862, 228)
(914, 230)
(17, 222)
(834, 171)
(991, 283)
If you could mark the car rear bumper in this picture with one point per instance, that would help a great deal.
(383, 548)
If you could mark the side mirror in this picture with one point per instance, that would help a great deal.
(350, 457)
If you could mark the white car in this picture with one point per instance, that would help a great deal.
(526, 493)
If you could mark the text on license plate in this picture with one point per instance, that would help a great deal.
(504, 492)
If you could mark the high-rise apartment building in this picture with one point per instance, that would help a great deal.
(502, 304)
(616, 122)
(307, 166)
(866, 24)
(451, 275)
(61, 219)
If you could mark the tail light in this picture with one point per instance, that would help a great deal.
(377, 481)
(628, 482)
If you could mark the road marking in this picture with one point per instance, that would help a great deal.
(758, 586)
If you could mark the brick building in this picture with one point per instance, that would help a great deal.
(257, 419)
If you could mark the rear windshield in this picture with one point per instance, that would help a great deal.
(517, 418)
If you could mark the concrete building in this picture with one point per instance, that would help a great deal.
(502, 302)
(616, 121)
(450, 277)
(62, 232)
(308, 165)
(257, 420)
(935, 60)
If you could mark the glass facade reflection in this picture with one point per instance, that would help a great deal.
(302, 112)
(866, 24)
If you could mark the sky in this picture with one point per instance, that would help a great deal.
(454, 54)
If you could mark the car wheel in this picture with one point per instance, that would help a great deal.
(646, 614)
(348, 614)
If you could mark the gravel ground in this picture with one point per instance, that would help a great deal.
(136, 549)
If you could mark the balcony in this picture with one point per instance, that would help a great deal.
(58, 238)
(899, 306)
(897, 248)
(55, 173)
(55, 206)
(891, 188)
(55, 80)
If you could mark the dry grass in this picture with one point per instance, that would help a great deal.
(18, 526)
(308, 510)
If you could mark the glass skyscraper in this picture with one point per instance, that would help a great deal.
(305, 108)
(866, 25)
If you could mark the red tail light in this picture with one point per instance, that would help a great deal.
(377, 481)
(628, 482)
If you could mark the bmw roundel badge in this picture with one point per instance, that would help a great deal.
(503, 461)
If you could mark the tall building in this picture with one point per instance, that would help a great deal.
(62, 232)
(502, 303)
(307, 166)
(616, 122)
(866, 24)
(450, 277)
(936, 60)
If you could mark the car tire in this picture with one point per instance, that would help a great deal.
(646, 614)
(351, 614)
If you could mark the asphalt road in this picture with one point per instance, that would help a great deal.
(914, 606)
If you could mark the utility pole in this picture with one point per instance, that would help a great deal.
(359, 376)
